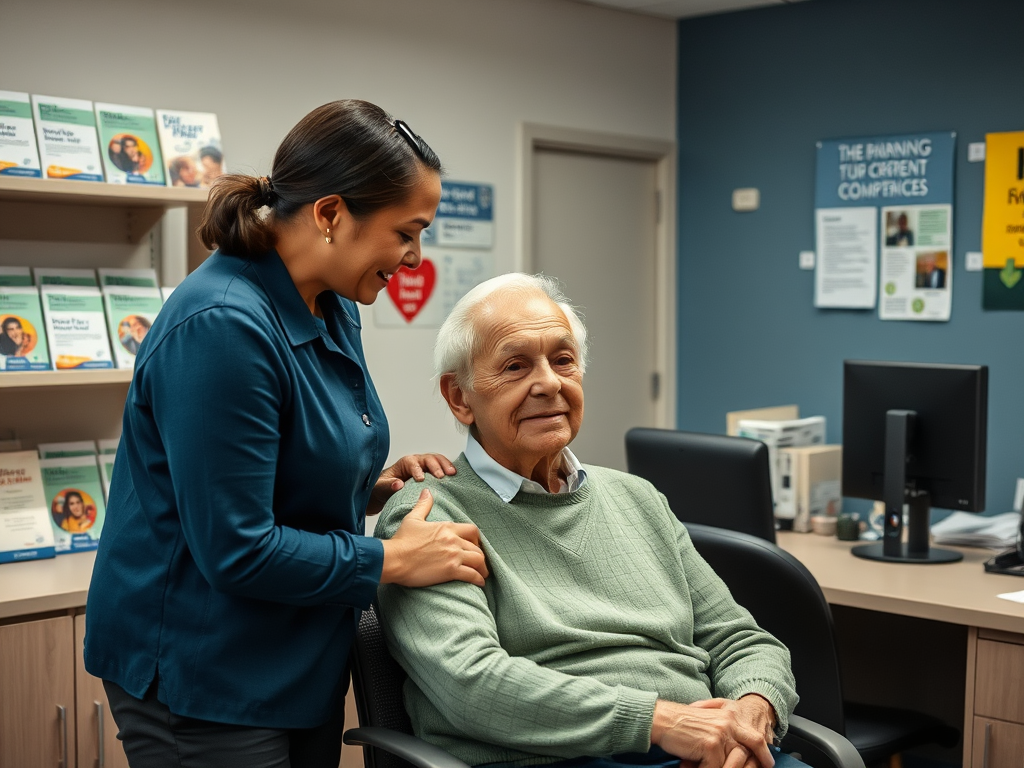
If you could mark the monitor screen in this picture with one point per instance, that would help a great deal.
(946, 450)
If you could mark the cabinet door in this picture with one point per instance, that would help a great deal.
(37, 703)
(98, 746)
(997, 744)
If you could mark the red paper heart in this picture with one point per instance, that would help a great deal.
(410, 289)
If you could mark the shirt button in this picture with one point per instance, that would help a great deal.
(366, 420)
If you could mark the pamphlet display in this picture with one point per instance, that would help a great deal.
(23, 343)
(25, 529)
(191, 146)
(130, 145)
(18, 153)
(140, 278)
(49, 276)
(130, 314)
(105, 460)
(15, 276)
(76, 327)
(64, 450)
(68, 145)
(74, 494)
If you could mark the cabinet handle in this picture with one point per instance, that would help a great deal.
(62, 715)
(984, 753)
(99, 734)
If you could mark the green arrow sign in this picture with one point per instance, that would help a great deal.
(1009, 274)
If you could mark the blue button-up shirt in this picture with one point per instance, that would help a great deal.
(232, 563)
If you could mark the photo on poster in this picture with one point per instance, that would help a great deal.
(917, 278)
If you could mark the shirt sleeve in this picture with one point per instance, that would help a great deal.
(446, 639)
(215, 388)
(744, 658)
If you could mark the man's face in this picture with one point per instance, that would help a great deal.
(15, 332)
(527, 397)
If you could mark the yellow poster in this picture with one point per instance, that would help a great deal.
(1002, 234)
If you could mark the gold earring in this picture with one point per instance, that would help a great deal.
(327, 237)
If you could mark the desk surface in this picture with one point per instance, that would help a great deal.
(39, 586)
(957, 593)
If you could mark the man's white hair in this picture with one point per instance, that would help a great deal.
(459, 338)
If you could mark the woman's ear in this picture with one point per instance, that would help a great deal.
(330, 213)
(455, 396)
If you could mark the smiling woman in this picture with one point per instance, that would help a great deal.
(228, 581)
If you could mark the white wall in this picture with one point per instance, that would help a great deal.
(463, 73)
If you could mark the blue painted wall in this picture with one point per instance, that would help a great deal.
(757, 89)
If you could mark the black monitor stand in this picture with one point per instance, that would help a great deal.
(897, 491)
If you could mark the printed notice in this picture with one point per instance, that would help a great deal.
(917, 282)
(422, 298)
(846, 272)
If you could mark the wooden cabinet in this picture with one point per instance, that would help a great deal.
(994, 736)
(96, 731)
(37, 694)
(997, 744)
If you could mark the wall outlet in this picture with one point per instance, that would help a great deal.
(746, 199)
(973, 261)
(976, 152)
(806, 259)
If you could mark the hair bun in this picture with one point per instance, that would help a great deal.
(267, 194)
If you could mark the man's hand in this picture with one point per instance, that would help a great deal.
(753, 710)
(411, 467)
(712, 734)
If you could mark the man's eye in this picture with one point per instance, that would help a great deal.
(513, 367)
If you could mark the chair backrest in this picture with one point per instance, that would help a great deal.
(377, 681)
(786, 601)
(708, 479)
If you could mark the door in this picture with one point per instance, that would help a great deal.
(37, 705)
(595, 229)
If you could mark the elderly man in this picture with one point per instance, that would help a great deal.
(601, 633)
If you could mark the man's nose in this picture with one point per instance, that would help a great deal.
(545, 380)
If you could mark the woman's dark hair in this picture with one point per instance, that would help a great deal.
(349, 148)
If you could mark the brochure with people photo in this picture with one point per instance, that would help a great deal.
(51, 276)
(130, 313)
(76, 327)
(18, 153)
(25, 529)
(74, 493)
(130, 145)
(191, 145)
(23, 343)
(68, 145)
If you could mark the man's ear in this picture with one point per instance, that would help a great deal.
(455, 396)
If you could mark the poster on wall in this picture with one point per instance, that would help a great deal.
(888, 194)
(1002, 231)
(465, 217)
(422, 298)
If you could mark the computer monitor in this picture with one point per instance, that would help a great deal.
(914, 434)
(708, 479)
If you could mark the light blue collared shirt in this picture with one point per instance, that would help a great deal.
(507, 484)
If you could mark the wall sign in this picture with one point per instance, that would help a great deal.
(1002, 230)
(465, 217)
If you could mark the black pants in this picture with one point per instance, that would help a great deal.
(154, 737)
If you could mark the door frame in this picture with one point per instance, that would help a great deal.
(534, 136)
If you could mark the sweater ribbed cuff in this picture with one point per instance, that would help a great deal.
(775, 698)
(634, 716)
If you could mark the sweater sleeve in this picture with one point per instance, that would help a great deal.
(446, 639)
(744, 658)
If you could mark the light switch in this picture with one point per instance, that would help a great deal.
(806, 259)
(976, 152)
(973, 261)
(746, 199)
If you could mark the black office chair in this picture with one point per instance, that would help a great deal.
(385, 732)
(707, 479)
(785, 600)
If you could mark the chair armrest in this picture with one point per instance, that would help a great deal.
(816, 741)
(410, 748)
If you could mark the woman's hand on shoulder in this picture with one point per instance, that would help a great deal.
(423, 553)
(415, 466)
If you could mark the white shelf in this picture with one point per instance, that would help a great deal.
(37, 379)
(28, 190)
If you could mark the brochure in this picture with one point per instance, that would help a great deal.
(141, 278)
(64, 450)
(25, 530)
(108, 447)
(74, 493)
(191, 145)
(166, 291)
(130, 314)
(15, 276)
(105, 462)
(76, 327)
(48, 276)
(68, 146)
(130, 145)
(23, 344)
(18, 153)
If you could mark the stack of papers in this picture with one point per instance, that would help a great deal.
(966, 530)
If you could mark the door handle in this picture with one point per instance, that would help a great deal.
(62, 715)
(99, 735)
(988, 737)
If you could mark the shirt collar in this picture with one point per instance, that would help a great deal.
(288, 304)
(507, 484)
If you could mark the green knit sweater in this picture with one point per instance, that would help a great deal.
(596, 606)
